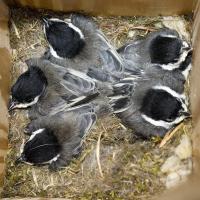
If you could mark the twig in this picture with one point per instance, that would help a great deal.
(142, 28)
(169, 135)
(98, 155)
(22, 146)
(35, 178)
(15, 29)
(105, 130)
(83, 156)
(31, 46)
(122, 126)
(51, 183)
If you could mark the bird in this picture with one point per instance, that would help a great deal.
(46, 88)
(149, 107)
(58, 138)
(154, 102)
(163, 47)
(81, 45)
(175, 79)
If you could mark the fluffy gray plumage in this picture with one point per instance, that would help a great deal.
(128, 96)
(96, 54)
(69, 127)
(172, 73)
(163, 47)
(65, 87)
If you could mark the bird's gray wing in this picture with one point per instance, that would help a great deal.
(135, 55)
(78, 83)
(87, 120)
(100, 75)
(108, 60)
(131, 47)
(112, 63)
(121, 99)
(71, 85)
(111, 60)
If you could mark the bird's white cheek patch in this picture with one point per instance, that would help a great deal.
(26, 105)
(35, 133)
(168, 36)
(28, 163)
(158, 123)
(76, 29)
(161, 123)
(176, 65)
(53, 53)
(186, 71)
(21, 105)
(54, 159)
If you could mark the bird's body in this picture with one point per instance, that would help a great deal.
(150, 111)
(62, 88)
(58, 138)
(155, 101)
(164, 48)
(96, 53)
(150, 105)
(173, 79)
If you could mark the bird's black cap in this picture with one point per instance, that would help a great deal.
(42, 148)
(65, 40)
(28, 86)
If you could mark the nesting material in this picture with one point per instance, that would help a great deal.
(179, 165)
(178, 176)
(177, 24)
(172, 180)
(113, 164)
(171, 164)
(184, 149)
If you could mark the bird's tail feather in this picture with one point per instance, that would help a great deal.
(120, 100)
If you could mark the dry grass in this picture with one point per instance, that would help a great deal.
(113, 164)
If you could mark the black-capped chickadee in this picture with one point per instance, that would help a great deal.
(149, 108)
(46, 87)
(164, 48)
(57, 139)
(79, 44)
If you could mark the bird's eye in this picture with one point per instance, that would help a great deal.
(168, 120)
(30, 100)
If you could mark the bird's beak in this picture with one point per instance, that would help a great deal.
(20, 159)
(186, 114)
(190, 52)
(186, 48)
(46, 21)
(12, 104)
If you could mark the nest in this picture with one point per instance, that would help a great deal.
(113, 165)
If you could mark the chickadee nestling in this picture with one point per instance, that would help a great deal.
(46, 87)
(57, 139)
(155, 101)
(79, 44)
(150, 109)
(174, 79)
(164, 48)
